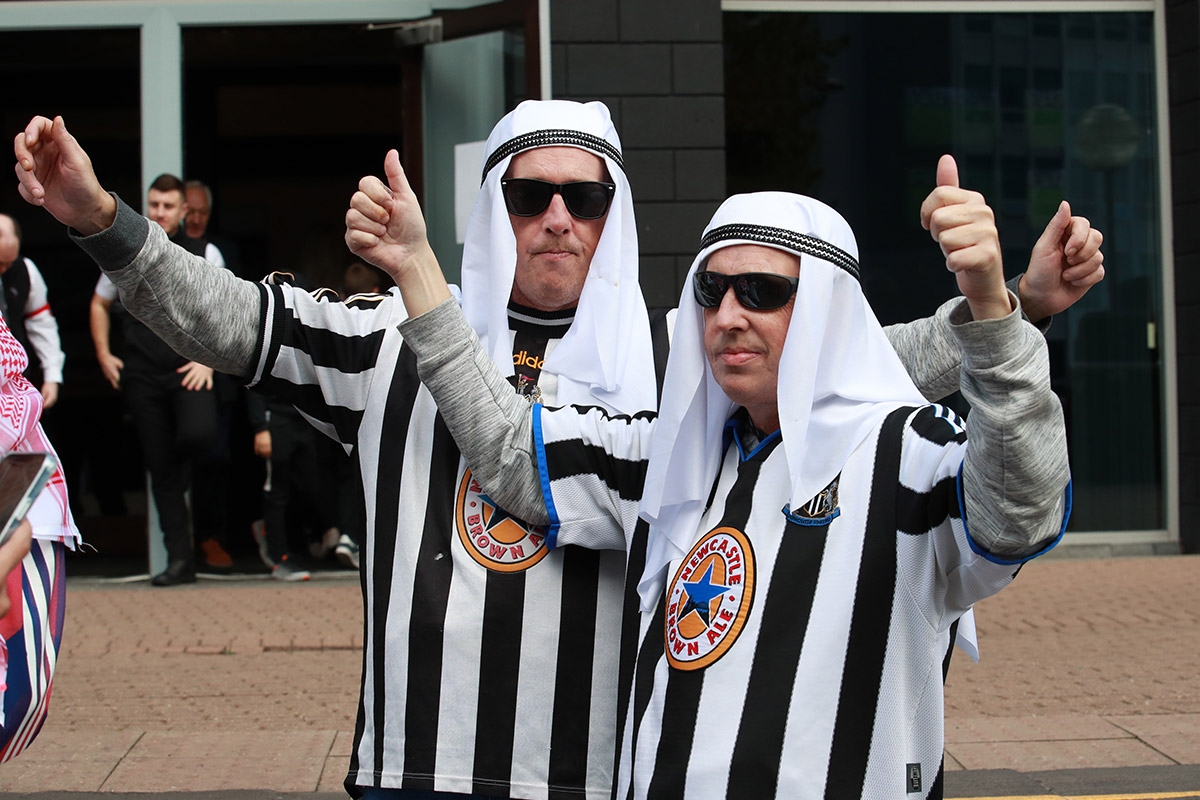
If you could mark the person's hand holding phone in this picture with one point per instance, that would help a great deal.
(22, 477)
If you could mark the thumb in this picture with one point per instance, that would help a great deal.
(61, 136)
(1057, 227)
(1061, 221)
(947, 171)
(394, 172)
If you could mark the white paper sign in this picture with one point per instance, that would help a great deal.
(468, 166)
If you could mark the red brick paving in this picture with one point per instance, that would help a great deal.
(254, 685)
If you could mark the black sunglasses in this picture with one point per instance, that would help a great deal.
(528, 197)
(759, 291)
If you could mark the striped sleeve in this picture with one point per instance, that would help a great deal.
(319, 354)
(944, 572)
(592, 467)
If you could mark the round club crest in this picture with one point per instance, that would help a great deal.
(492, 536)
(708, 600)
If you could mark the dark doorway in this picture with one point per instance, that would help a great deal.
(57, 73)
(281, 123)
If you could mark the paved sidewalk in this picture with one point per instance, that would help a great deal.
(252, 685)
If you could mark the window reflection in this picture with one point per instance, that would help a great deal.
(856, 108)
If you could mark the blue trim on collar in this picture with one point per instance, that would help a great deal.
(731, 430)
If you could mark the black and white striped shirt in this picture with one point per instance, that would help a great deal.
(349, 371)
(482, 671)
(795, 653)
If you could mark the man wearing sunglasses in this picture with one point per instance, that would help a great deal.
(491, 661)
(815, 527)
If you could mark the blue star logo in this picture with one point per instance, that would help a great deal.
(498, 514)
(700, 595)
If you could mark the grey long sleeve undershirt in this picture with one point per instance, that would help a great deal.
(1016, 463)
(929, 351)
(207, 315)
(212, 317)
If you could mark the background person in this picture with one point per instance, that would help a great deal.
(174, 409)
(25, 305)
(220, 250)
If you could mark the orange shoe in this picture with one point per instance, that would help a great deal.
(215, 555)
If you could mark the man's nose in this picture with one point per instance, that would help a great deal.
(730, 313)
(556, 218)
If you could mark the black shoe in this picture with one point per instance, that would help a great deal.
(177, 572)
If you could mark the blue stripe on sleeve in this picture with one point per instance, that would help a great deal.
(539, 446)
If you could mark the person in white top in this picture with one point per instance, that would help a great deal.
(25, 304)
(174, 405)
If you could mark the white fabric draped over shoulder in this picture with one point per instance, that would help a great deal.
(838, 374)
(606, 358)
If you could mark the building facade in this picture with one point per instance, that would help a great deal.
(853, 101)
(281, 106)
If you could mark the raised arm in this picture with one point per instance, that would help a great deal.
(1015, 471)
(206, 315)
(385, 227)
(490, 422)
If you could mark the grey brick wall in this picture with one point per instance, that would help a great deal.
(658, 66)
(1183, 76)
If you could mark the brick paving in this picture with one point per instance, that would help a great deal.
(1084, 663)
(1112, 636)
(252, 685)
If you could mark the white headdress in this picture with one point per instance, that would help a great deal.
(838, 374)
(607, 355)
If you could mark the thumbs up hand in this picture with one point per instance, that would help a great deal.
(964, 227)
(385, 227)
(1066, 261)
(384, 223)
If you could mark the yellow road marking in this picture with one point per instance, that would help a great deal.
(1145, 796)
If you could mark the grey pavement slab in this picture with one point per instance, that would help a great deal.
(1177, 782)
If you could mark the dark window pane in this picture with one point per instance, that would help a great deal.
(856, 108)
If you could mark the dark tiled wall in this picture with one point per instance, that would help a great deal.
(1183, 82)
(658, 66)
